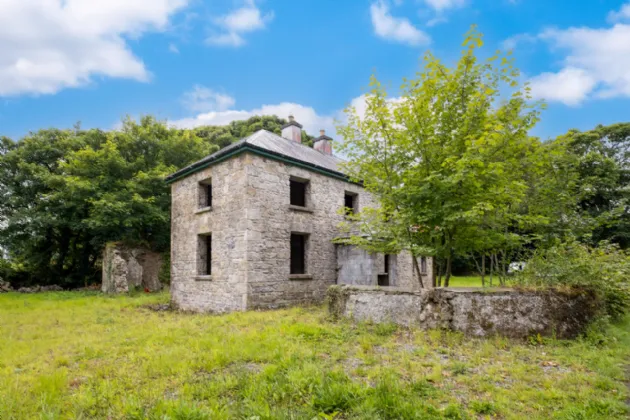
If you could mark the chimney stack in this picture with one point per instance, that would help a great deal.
(292, 130)
(323, 143)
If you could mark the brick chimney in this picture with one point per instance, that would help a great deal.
(323, 143)
(292, 130)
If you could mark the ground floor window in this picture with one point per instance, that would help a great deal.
(204, 265)
(298, 253)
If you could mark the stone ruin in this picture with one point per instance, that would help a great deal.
(126, 269)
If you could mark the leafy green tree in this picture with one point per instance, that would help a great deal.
(65, 193)
(226, 134)
(448, 161)
(602, 160)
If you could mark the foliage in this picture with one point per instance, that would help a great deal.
(602, 161)
(225, 135)
(86, 355)
(450, 162)
(65, 193)
(604, 269)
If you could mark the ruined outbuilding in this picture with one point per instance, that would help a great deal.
(126, 269)
(253, 227)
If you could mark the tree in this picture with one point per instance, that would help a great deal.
(448, 161)
(65, 193)
(602, 161)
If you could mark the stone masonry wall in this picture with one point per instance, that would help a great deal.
(125, 269)
(475, 312)
(226, 289)
(271, 222)
(251, 222)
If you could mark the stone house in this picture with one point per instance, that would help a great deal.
(253, 227)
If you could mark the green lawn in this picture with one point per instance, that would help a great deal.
(86, 356)
(465, 281)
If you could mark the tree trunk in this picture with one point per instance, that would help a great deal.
(448, 270)
(417, 268)
(483, 270)
(491, 269)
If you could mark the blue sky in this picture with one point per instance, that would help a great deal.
(195, 62)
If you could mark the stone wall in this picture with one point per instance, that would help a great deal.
(475, 312)
(226, 289)
(125, 269)
(272, 222)
(356, 266)
(251, 221)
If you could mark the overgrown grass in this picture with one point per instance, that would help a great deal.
(71, 355)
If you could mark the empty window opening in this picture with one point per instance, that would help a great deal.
(298, 192)
(205, 193)
(298, 253)
(383, 278)
(423, 264)
(350, 203)
(205, 255)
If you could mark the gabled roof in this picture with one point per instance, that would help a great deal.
(270, 145)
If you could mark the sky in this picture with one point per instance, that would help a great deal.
(198, 62)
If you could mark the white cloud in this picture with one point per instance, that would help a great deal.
(305, 115)
(397, 29)
(441, 5)
(595, 62)
(570, 86)
(173, 48)
(621, 15)
(203, 99)
(48, 45)
(237, 23)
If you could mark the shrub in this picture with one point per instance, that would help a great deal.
(604, 269)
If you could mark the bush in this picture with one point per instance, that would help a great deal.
(604, 269)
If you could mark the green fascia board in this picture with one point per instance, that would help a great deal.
(264, 153)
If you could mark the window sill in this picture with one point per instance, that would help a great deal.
(300, 208)
(203, 278)
(203, 210)
(300, 277)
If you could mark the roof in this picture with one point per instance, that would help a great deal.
(271, 145)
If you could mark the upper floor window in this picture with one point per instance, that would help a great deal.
(205, 193)
(298, 193)
(350, 202)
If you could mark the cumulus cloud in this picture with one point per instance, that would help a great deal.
(597, 59)
(570, 86)
(595, 62)
(305, 115)
(396, 29)
(203, 99)
(49, 45)
(441, 5)
(620, 15)
(233, 26)
(311, 120)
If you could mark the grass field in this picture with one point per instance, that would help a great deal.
(85, 356)
(465, 281)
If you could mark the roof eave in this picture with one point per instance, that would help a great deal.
(202, 164)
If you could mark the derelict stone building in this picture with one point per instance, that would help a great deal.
(253, 227)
